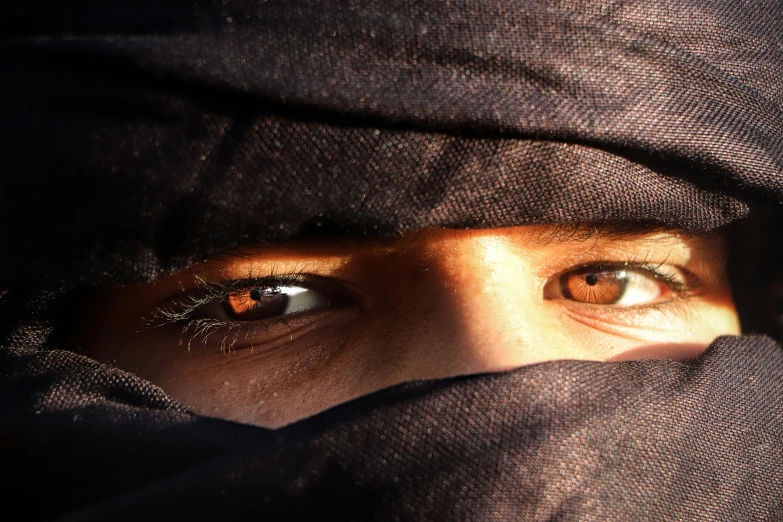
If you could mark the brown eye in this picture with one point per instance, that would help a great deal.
(617, 287)
(253, 304)
(595, 287)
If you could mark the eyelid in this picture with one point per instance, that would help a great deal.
(688, 286)
(650, 269)
(181, 307)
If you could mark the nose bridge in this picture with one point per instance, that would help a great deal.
(489, 303)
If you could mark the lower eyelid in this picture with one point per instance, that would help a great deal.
(651, 317)
(262, 336)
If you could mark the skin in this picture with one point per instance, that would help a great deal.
(431, 304)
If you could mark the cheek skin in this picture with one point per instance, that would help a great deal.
(270, 387)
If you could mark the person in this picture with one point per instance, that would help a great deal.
(274, 334)
(364, 260)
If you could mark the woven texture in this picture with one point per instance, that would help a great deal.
(140, 137)
(557, 441)
(191, 129)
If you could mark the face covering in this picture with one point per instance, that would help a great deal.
(139, 139)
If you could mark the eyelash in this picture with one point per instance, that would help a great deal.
(683, 288)
(180, 310)
(184, 306)
(684, 285)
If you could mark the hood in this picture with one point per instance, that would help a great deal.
(141, 138)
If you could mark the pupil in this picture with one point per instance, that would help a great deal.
(591, 279)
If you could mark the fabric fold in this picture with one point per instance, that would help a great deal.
(559, 440)
(185, 112)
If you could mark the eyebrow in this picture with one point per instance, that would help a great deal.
(554, 233)
(614, 230)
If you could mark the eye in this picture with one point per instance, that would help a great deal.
(245, 302)
(613, 286)
(253, 304)
(239, 313)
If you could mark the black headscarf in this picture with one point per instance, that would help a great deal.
(139, 138)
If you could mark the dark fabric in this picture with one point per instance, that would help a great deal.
(655, 440)
(192, 128)
(139, 137)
